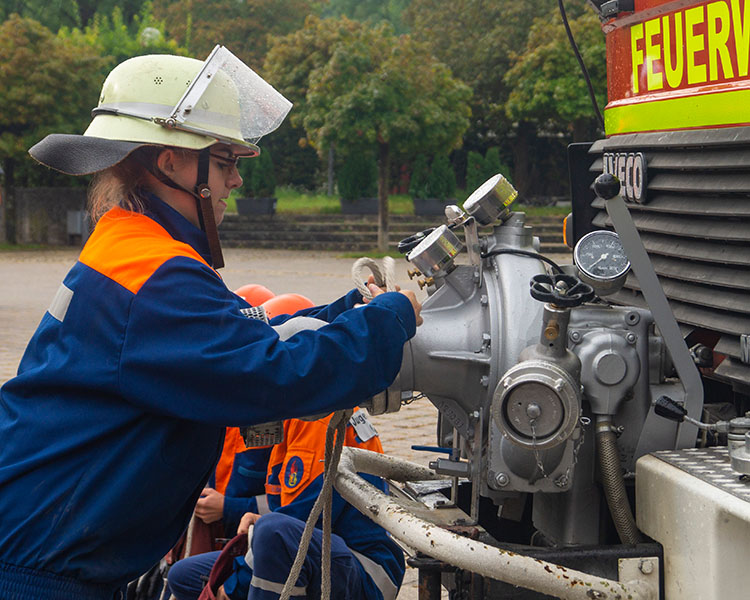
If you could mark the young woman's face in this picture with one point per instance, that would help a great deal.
(223, 177)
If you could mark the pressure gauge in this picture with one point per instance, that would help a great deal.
(601, 261)
(434, 255)
(491, 201)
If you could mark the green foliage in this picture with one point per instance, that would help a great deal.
(51, 14)
(258, 174)
(474, 171)
(369, 11)
(477, 40)
(243, 27)
(111, 36)
(292, 59)
(419, 176)
(48, 84)
(548, 86)
(375, 88)
(493, 165)
(357, 176)
(441, 182)
(70, 14)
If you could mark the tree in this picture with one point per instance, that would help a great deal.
(47, 84)
(377, 90)
(51, 14)
(358, 176)
(441, 182)
(243, 27)
(548, 87)
(477, 40)
(493, 165)
(262, 180)
(369, 11)
(474, 170)
(419, 173)
(116, 40)
(56, 14)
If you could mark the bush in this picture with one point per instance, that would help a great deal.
(475, 171)
(259, 179)
(419, 175)
(493, 165)
(441, 182)
(358, 177)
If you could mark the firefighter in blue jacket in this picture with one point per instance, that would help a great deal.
(116, 417)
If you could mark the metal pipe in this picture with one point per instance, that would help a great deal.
(401, 519)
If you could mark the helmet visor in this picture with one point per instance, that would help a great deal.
(229, 100)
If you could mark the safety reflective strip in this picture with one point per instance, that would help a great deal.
(379, 576)
(686, 112)
(60, 303)
(276, 588)
(249, 560)
(262, 502)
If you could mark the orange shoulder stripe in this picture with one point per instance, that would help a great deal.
(129, 247)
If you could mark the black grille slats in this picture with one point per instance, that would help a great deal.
(695, 226)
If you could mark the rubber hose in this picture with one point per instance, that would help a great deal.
(614, 484)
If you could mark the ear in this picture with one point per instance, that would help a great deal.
(167, 161)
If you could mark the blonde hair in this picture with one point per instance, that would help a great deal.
(123, 184)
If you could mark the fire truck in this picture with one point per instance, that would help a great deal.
(593, 436)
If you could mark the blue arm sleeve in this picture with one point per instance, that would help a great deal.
(325, 313)
(188, 352)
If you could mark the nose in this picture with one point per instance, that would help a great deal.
(235, 179)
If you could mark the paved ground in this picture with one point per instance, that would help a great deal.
(30, 280)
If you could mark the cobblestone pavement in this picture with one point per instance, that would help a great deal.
(31, 278)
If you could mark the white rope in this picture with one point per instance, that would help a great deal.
(385, 276)
(337, 426)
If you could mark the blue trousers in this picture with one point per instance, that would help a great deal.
(274, 545)
(188, 576)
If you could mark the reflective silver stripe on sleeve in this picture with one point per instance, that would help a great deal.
(262, 501)
(378, 575)
(249, 560)
(276, 588)
(60, 302)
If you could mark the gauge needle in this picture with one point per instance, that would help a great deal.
(600, 259)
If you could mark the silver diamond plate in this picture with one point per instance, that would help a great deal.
(710, 465)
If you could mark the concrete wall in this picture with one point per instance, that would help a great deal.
(42, 216)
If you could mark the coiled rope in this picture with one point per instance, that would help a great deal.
(384, 277)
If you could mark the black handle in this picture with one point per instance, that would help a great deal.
(561, 290)
(665, 407)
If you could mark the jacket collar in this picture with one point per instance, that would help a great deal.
(176, 225)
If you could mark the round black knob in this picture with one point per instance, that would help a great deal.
(607, 186)
(565, 291)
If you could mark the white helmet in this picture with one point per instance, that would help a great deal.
(167, 100)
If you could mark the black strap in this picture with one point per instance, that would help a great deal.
(206, 210)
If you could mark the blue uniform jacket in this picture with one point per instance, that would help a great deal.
(293, 480)
(116, 418)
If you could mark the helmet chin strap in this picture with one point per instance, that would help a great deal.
(205, 209)
(202, 194)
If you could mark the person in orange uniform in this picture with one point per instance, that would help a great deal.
(366, 563)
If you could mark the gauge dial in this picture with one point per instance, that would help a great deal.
(601, 261)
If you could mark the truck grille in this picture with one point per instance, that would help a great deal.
(696, 229)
